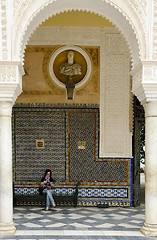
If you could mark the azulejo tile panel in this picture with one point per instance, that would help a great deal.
(30, 161)
(70, 135)
(84, 163)
(104, 192)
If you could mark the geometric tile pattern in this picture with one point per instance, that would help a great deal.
(62, 127)
(30, 161)
(79, 223)
(26, 190)
(70, 218)
(83, 192)
(107, 192)
(83, 162)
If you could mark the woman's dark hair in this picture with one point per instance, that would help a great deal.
(47, 170)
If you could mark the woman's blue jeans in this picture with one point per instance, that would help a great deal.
(49, 196)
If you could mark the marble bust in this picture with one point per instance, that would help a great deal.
(70, 69)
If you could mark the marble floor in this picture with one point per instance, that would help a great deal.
(81, 223)
(69, 223)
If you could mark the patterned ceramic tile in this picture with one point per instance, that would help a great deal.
(70, 134)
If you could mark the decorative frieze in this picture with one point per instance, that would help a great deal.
(7, 74)
(38, 12)
(155, 31)
(145, 81)
(3, 17)
(10, 80)
(140, 6)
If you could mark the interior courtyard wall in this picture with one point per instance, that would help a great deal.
(115, 106)
(113, 48)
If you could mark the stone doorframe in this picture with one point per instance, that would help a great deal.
(27, 18)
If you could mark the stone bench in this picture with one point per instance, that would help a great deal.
(39, 199)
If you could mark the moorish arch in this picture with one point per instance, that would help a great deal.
(121, 14)
(34, 14)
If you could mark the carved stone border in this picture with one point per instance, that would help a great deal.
(122, 15)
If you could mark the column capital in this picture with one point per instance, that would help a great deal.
(150, 109)
(144, 81)
(10, 80)
(6, 109)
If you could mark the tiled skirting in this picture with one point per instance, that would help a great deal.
(88, 196)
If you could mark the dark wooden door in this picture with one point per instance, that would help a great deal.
(138, 141)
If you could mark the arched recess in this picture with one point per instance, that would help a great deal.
(36, 12)
(121, 15)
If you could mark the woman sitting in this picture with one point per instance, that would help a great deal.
(46, 187)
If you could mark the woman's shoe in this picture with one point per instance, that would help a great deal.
(47, 208)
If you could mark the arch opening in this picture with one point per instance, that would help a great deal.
(126, 32)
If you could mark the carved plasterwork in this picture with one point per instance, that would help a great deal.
(117, 133)
(117, 12)
(115, 43)
(145, 81)
(10, 72)
(7, 75)
(3, 19)
(10, 81)
(155, 31)
(140, 6)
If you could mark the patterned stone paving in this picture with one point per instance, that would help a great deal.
(69, 223)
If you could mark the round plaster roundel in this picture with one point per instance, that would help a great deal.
(70, 63)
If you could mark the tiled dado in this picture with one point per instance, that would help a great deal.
(82, 192)
(63, 128)
(88, 196)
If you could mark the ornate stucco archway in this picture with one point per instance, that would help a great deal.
(29, 16)
(127, 16)
(33, 15)
(123, 16)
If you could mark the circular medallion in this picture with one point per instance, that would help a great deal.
(70, 63)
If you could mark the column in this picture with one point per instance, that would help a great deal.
(150, 226)
(144, 86)
(10, 88)
(6, 190)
